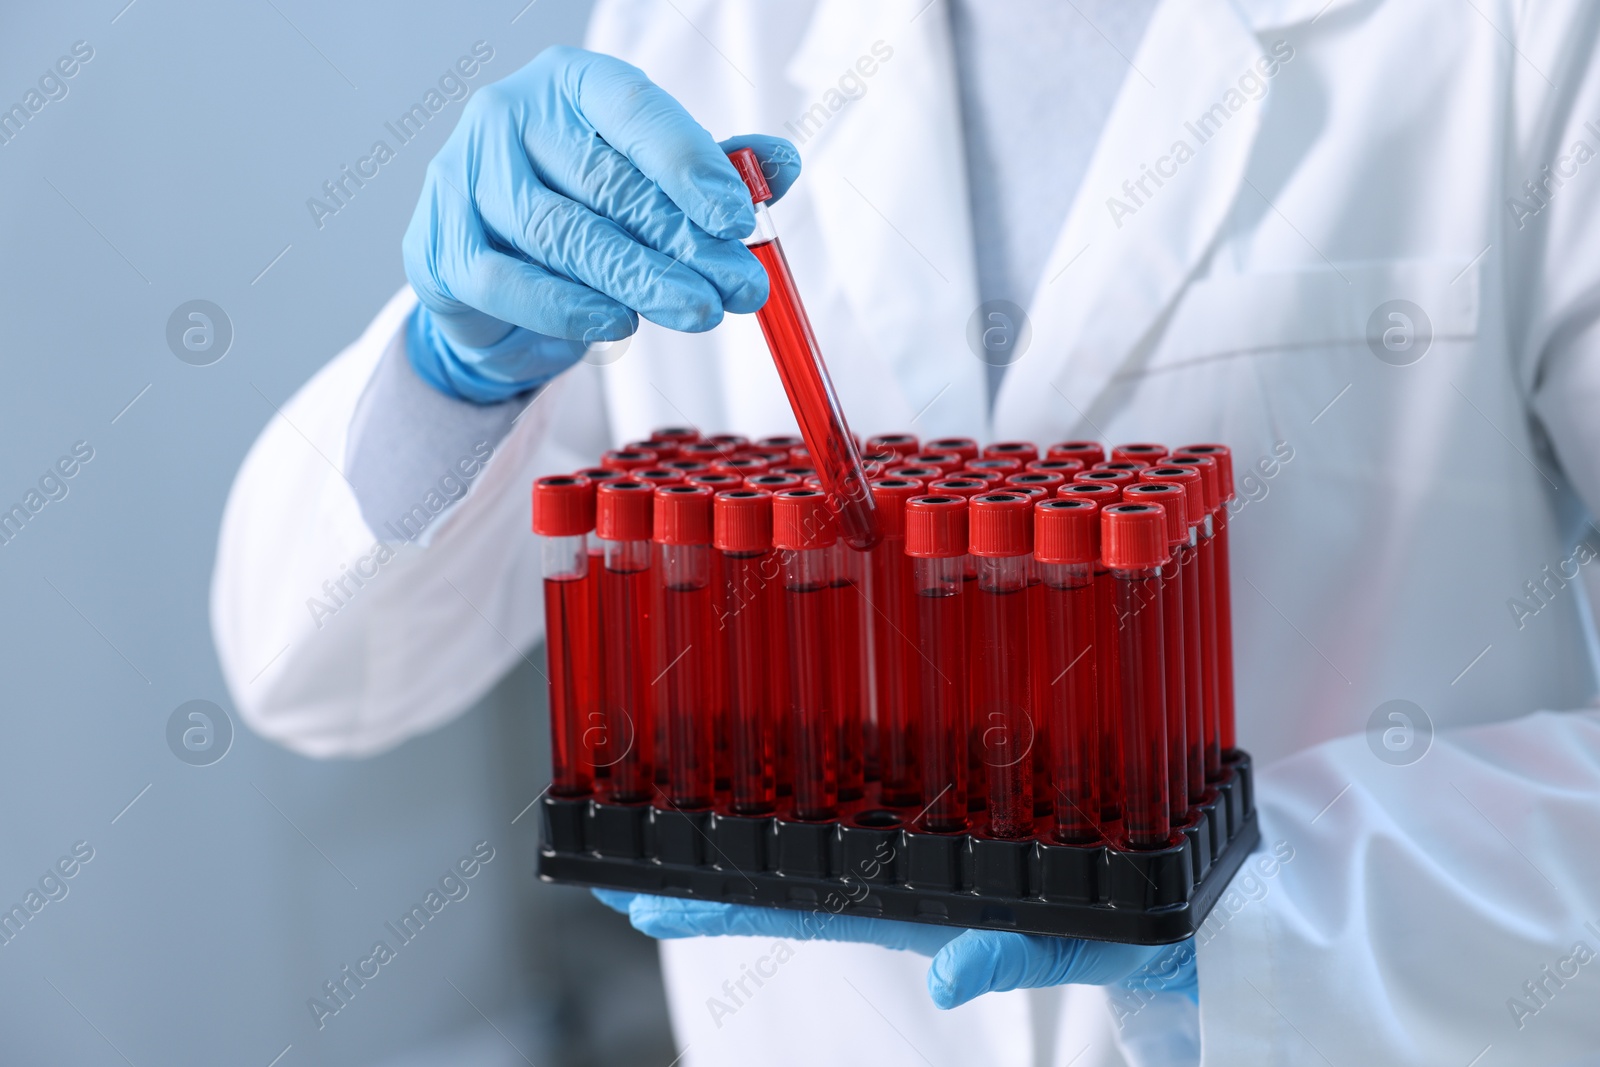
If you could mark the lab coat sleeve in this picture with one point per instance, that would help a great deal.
(339, 640)
(1421, 913)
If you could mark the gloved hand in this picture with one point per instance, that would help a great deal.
(966, 963)
(573, 197)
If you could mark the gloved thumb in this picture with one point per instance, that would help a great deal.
(993, 961)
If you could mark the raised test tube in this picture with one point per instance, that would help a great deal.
(1194, 672)
(1133, 543)
(1000, 537)
(742, 533)
(803, 530)
(936, 540)
(894, 644)
(1175, 627)
(682, 535)
(1066, 545)
(805, 379)
(563, 515)
(623, 524)
(1223, 457)
(1210, 633)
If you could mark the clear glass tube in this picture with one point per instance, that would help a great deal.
(940, 586)
(1067, 672)
(1142, 715)
(809, 610)
(684, 681)
(1004, 693)
(626, 741)
(572, 647)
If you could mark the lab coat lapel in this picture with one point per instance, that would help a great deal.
(1161, 181)
(886, 179)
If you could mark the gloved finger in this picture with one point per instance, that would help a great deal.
(992, 961)
(527, 295)
(780, 159)
(644, 123)
(607, 183)
(615, 899)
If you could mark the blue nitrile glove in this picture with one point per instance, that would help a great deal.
(571, 198)
(966, 963)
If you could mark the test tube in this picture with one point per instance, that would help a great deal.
(936, 541)
(848, 569)
(1066, 545)
(682, 535)
(967, 486)
(746, 466)
(1006, 465)
(1210, 633)
(1064, 467)
(677, 435)
(563, 515)
(1000, 537)
(1139, 452)
(1133, 465)
(1023, 452)
(627, 459)
(1049, 481)
(730, 443)
(705, 451)
(1086, 452)
(1175, 626)
(742, 533)
(1223, 457)
(805, 377)
(1108, 693)
(772, 483)
(948, 462)
(656, 475)
(664, 450)
(965, 447)
(915, 472)
(1117, 478)
(803, 529)
(895, 653)
(686, 467)
(1133, 543)
(1194, 673)
(903, 444)
(623, 524)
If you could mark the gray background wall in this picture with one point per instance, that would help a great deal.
(177, 167)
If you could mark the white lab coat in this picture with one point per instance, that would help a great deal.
(1229, 302)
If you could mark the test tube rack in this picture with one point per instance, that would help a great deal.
(872, 853)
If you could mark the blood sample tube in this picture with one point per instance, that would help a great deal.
(993, 479)
(1086, 452)
(622, 459)
(1175, 627)
(730, 443)
(563, 515)
(1210, 632)
(948, 462)
(686, 467)
(775, 457)
(936, 541)
(716, 481)
(1223, 457)
(1108, 669)
(772, 483)
(677, 435)
(1194, 672)
(915, 472)
(1066, 545)
(1133, 465)
(1133, 544)
(780, 442)
(1049, 481)
(803, 529)
(1064, 467)
(746, 466)
(851, 651)
(1140, 452)
(903, 444)
(656, 475)
(1023, 452)
(1006, 465)
(967, 487)
(799, 470)
(805, 377)
(663, 450)
(895, 652)
(682, 535)
(1117, 478)
(742, 533)
(965, 447)
(1000, 536)
(623, 524)
(706, 451)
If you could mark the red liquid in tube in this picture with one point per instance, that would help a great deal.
(1223, 457)
(832, 448)
(1210, 634)
(802, 528)
(687, 699)
(895, 652)
(936, 539)
(1000, 529)
(563, 515)
(848, 568)
(626, 740)
(1174, 500)
(743, 537)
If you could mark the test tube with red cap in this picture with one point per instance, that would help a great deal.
(686, 467)
(1000, 537)
(803, 530)
(948, 462)
(563, 515)
(1133, 543)
(742, 533)
(1049, 481)
(1139, 452)
(1223, 457)
(628, 459)
(936, 541)
(1175, 626)
(1194, 671)
(1006, 465)
(1118, 478)
(1133, 465)
(682, 535)
(1066, 546)
(664, 450)
(623, 525)
(1210, 632)
(966, 486)
(903, 444)
(805, 377)
(895, 654)
(744, 466)
(1086, 452)
(915, 472)
(656, 475)
(849, 661)
(1024, 452)
(1106, 492)
(677, 435)
(965, 447)
(1067, 468)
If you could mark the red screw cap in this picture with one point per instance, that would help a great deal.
(1141, 452)
(801, 518)
(1003, 464)
(936, 527)
(656, 475)
(626, 459)
(916, 472)
(715, 479)
(678, 435)
(1066, 467)
(780, 443)
(742, 520)
(623, 511)
(773, 482)
(961, 486)
(1224, 457)
(743, 466)
(1120, 465)
(965, 447)
(1067, 530)
(903, 444)
(748, 164)
(1049, 481)
(687, 466)
(1000, 524)
(1021, 451)
(1133, 536)
(949, 462)
(664, 450)
(1117, 478)
(563, 505)
(1173, 500)
(1103, 493)
(1086, 452)
(891, 495)
(1210, 476)
(682, 515)
(1194, 490)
